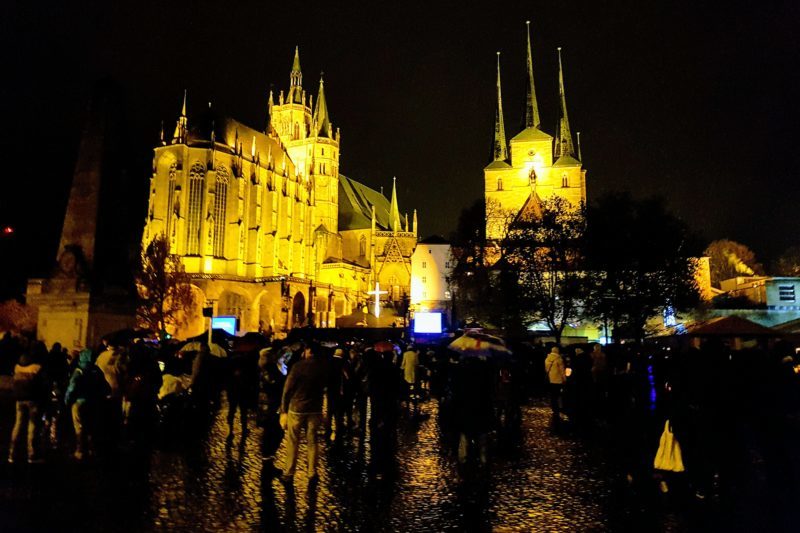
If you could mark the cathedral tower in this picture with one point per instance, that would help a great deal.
(538, 167)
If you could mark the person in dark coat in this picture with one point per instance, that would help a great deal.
(140, 390)
(301, 409)
(242, 388)
(473, 405)
(338, 373)
(273, 377)
(30, 392)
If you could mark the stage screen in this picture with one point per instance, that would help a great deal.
(427, 322)
(228, 323)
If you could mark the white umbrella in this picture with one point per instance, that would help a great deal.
(213, 348)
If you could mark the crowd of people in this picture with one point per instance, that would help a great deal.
(124, 394)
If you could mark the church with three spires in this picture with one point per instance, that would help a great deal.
(267, 226)
(533, 165)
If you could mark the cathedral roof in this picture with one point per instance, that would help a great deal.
(531, 134)
(497, 165)
(355, 206)
(566, 161)
(531, 209)
(226, 131)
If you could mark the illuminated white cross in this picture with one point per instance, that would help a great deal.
(377, 293)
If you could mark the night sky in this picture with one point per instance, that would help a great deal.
(690, 101)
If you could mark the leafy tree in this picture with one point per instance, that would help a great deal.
(17, 317)
(165, 291)
(788, 264)
(472, 282)
(543, 255)
(730, 259)
(640, 260)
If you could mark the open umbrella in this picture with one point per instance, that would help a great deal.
(213, 348)
(479, 344)
(383, 346)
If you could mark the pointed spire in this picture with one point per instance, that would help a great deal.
(578, 134)
(414, 229)
(295, 80)
(161, 134)
(406, 228)
(296, 64)
(500, 146)
(565, 135)
(181, 126)
(532, 108)
(321, 117)
(394, 213)
(253, 149)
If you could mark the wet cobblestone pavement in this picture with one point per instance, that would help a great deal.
(545, 480)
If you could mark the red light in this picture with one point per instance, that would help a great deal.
(8, 230)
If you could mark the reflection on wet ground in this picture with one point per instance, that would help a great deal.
(542, 480)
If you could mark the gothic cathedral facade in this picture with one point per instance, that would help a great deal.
(268, 227)
(533, 165)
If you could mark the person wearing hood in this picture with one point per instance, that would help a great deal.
(556, 378)
(86, 391)
(30, 391)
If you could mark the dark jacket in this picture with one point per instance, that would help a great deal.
(305, 386)
(29, 381)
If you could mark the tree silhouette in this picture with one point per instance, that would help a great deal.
(165, 292)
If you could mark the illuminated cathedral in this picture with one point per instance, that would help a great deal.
(268, 227)
(533, 165)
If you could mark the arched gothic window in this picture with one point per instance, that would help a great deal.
(362, 246)
(499, 184)
(564, 180)
(220, 211)
(197, 175)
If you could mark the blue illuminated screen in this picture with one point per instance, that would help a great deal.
(227, 323)
(427, 322)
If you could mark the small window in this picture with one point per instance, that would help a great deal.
(786, 293)
(424, 279)
(564, 180)
(424, 264)
(499, 184)
(323, 151)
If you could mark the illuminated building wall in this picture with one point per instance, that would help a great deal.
(430, 266)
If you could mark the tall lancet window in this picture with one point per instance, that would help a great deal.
(196, 180)
(499, 184)
(173, 170)
(220, 203)
(564, 180)
(362, 246)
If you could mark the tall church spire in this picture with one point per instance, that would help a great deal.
(532, 108)
(180, 127)
(394, 212)
(321, 117)
(295, 80)
(500, 146)
(565, 146)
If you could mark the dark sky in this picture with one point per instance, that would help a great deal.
(688, 100)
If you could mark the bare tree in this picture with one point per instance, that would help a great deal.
(730, 259)
(544, 256)
(17, 317)
(165, 292)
